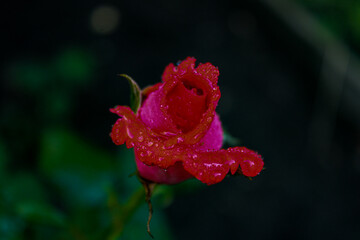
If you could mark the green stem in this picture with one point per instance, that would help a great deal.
(123, 213)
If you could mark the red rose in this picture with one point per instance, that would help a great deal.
(176, 133)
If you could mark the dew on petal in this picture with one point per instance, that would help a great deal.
(230, 162)
(197, 136)
(168, 134)
(164, 149)
(213, 165)
(129, 133)
(167, 146)
(251, 163)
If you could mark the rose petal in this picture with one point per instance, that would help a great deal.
(213, 138)
(172, 175)
(154, 111)
(186, 106)
(148, 144)
(146, 91)
(209, 166)
(172, 72)
(153, 114)
(209, 71)
(118, 135)
(196, 134)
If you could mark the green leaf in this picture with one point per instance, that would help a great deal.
(81, 171)
(40, 213)
(3, 159)
(135, 97)
(22, 187)
(74, 66)
(11, 227)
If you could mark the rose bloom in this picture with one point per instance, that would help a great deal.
(176, 134)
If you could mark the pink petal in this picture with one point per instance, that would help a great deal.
(209, 166)
(172, 175)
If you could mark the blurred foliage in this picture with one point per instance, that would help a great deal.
(341, 17)
(54, 183)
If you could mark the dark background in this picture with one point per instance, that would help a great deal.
(289, 77)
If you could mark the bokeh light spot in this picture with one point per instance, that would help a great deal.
(75, 66)
(104, 19)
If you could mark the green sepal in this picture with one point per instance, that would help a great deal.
(135, 95)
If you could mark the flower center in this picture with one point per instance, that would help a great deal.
(187, 103)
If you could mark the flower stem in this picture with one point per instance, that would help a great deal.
(149, 189)
(121, 214)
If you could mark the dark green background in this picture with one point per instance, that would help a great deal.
(59, 169)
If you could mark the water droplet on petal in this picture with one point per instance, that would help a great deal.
(169, 134)
(197, 136)
(250, 163)
(140, 138)
(149, 153)
(150, 144)
(180, 139)
(169, 144)
(230, 162)
(129, 133)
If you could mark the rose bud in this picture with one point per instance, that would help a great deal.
(176, 133)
